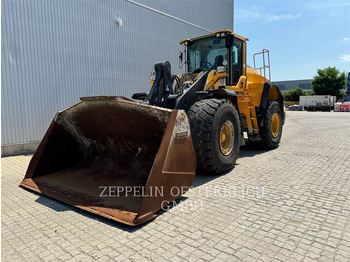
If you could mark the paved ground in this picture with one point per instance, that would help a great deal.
(289, 204)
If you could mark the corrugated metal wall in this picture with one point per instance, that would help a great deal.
(54, 52)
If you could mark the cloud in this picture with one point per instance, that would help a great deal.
(345, 58)
(326, 4)
(266, 17)
(346, 39)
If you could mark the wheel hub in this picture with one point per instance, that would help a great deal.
(275, 125)
(226, 137)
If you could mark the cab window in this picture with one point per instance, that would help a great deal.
(237, 60)
(206, 54)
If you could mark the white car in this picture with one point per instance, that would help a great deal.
(337, 106)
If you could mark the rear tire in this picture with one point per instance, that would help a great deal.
(216, 134)
(271, 131)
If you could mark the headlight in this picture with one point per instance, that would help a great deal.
(152, 77)
(221, 69)
(222, 81)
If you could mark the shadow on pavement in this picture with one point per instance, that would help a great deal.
(59, 206)
(245, 151)
(249, 150)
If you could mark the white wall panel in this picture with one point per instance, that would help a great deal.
(54, 52)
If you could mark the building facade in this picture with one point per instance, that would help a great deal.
(304, 84)
(54, 52)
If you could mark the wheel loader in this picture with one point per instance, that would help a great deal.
(126, 160)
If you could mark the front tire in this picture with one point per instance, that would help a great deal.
(216, 134)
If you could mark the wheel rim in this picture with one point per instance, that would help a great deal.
(226, 137)
(275, 125)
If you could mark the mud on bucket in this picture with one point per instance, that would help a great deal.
(115, 158)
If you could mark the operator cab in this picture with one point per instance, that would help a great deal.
(209, 52)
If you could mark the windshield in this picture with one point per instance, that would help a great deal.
(206, 54)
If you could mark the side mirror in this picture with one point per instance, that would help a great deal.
(181, 57)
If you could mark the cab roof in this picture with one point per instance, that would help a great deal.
(213, 34)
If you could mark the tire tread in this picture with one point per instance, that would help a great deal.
(201, 116)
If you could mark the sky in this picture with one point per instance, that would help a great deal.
(301, 35)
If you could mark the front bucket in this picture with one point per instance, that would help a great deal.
(115, 158)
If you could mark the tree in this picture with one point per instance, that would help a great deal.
(328, 81)
(294, 94)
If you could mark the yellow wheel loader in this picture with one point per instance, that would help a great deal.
(126, 160)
